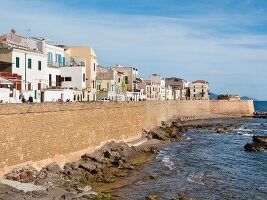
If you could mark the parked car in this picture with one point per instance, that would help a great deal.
(104, 100)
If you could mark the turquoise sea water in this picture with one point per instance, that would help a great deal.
(208, 166)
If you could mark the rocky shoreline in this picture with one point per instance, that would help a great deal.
(95, 174)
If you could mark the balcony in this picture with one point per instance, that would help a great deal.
(51, 63)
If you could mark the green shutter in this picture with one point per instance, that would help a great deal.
(17, 62)
(39, 65)
(29, 63)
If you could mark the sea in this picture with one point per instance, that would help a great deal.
(207, 166)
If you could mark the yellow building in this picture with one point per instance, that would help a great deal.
(89, 55)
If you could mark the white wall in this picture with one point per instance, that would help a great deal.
(4, 95)
(33, 75)
(54, 95)
(76, 74)
(54, 50)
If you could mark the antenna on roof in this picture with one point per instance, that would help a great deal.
(13, 31)
(28, 32)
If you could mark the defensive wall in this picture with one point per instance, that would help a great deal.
(38, 134)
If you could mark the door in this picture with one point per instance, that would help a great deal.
(58, 80)
(42, 97)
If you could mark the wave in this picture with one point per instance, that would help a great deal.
(245, 134)
(196, 178)
(166, 159)
(244, 129)
(188, 138)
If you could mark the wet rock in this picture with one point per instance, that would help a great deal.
(259, 144)
(184, 196)
(151, 177)
(152, 197)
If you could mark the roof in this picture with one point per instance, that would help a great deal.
(175, 79)
(201, 81)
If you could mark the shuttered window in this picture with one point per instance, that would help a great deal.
(29, 63)
(17, 62)
(39, 65)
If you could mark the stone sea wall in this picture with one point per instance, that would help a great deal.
(38, 134)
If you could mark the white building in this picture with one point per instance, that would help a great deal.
(26, 59)
(42, 66)
(169, 93)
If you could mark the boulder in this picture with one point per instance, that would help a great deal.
(159, 136)
(53, 168)
(89, 166)
(151, 177)
(259, 144)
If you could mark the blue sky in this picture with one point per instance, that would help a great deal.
(223, 41)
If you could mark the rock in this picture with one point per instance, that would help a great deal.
(151, 177)
(184, 196)
(259, 144)
(152, 197)
(53, 168)
(24, 174)
(84, 189)
(39, 195)
(159, 136)
(89, 166)
(260, 139)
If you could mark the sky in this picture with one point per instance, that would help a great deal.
(222, 41)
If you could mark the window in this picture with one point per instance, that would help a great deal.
(63, 61)
(94, 66)
(83, 77)
(59, 60)
(50, 57)
(194, 90)
(67, 78)
(126, 79)
(17, 62)
(29, 63)
(98, 87)
(39, 65)
(50, 80)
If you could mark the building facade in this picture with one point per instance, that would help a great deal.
(180, 88)
(90, 57)
(200, 90)
(45, 66)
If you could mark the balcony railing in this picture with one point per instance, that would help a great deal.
(55, 64)
(73, 62)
